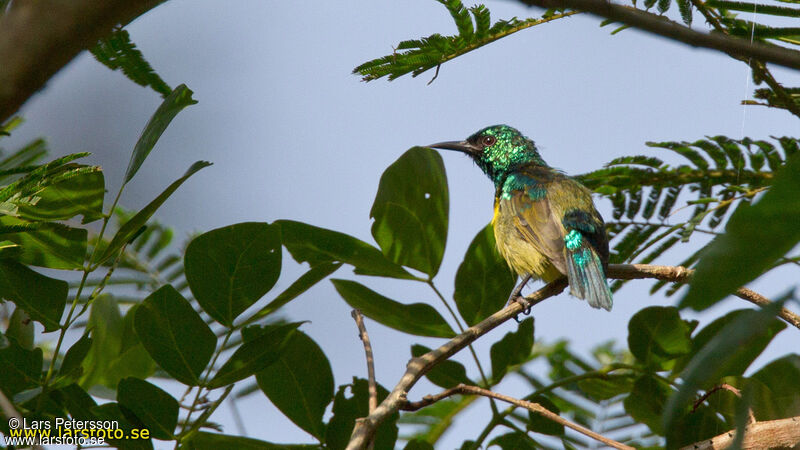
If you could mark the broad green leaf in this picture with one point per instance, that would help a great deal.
(300, 383)
(71, 365)
(115, 352)
(132, 227)
(418, 444)
(718, 357)
(417, 318)
(154, 407)
(20, 327)
(50, 245)
(203, 440)
(115, 412)
(22, 369)
(175, 335)
(658, 335)
(515, 441)
(758, 234)
(254, 355)
(230, 268)
(43, 298)
(301, 285)
(483, 280)
(411, 210)
(540, 424)
(606, 388)
(79, 195)
(514, 348)
(446, 374)
(315, 245)
(780, 397)
(744, 355)
(347, 409)
(646, 402)
(180, 98)
(77, 401)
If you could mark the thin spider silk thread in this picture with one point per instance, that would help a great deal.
(749, 74)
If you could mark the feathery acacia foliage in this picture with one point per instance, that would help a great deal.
(118, 52)
(718, 173)
(475, 29)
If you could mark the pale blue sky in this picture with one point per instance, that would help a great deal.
(293, 135)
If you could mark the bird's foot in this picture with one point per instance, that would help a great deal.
(517, 297)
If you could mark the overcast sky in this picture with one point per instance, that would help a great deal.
(293, 135)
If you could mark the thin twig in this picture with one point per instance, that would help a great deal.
(530, 406)
(362, 334)
(364, 429)
(662, 26)
(723, 387)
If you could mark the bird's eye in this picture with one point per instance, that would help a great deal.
(488, 141)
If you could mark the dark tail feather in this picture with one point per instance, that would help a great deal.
(587, 279)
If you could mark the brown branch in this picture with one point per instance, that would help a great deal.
(362, 334)
(783, 433)
(364, 429)
(530, 406)
(682, 275)
(660, 25)
(39, 37)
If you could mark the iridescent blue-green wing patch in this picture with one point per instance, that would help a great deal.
(586, 252)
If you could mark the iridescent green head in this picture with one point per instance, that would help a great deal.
(497, 150)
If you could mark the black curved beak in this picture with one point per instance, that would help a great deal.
(459, 146)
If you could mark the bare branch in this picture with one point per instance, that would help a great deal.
(660, 25)
(530, 406)
(783, 433)
(364, 429)
(39, 37)
(362, 334)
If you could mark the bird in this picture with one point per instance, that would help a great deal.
(545, 223)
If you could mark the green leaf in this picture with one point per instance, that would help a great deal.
(154, 407)
(347, 409)
(50, 245)
(180, 98)
(744, 355)
(447, 373)
(645, 404)
(719, 357)
(114, 411)
(411, 209)
(175, 335)
(43, 298)
(780, 397)
(78, 195)
(315, 245)
(132, 227)
(658, 335)
(606, 388)
(758, 234)
(22, 369)
(540, 424)
(300, 383)
(71, 365)
(231, 268)
(483, 280)
(254, 354)
(418, 318)
(301, 285)
(514, 348)
(203, 440)
(418, 444)
(116, 51)
(515, 441)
